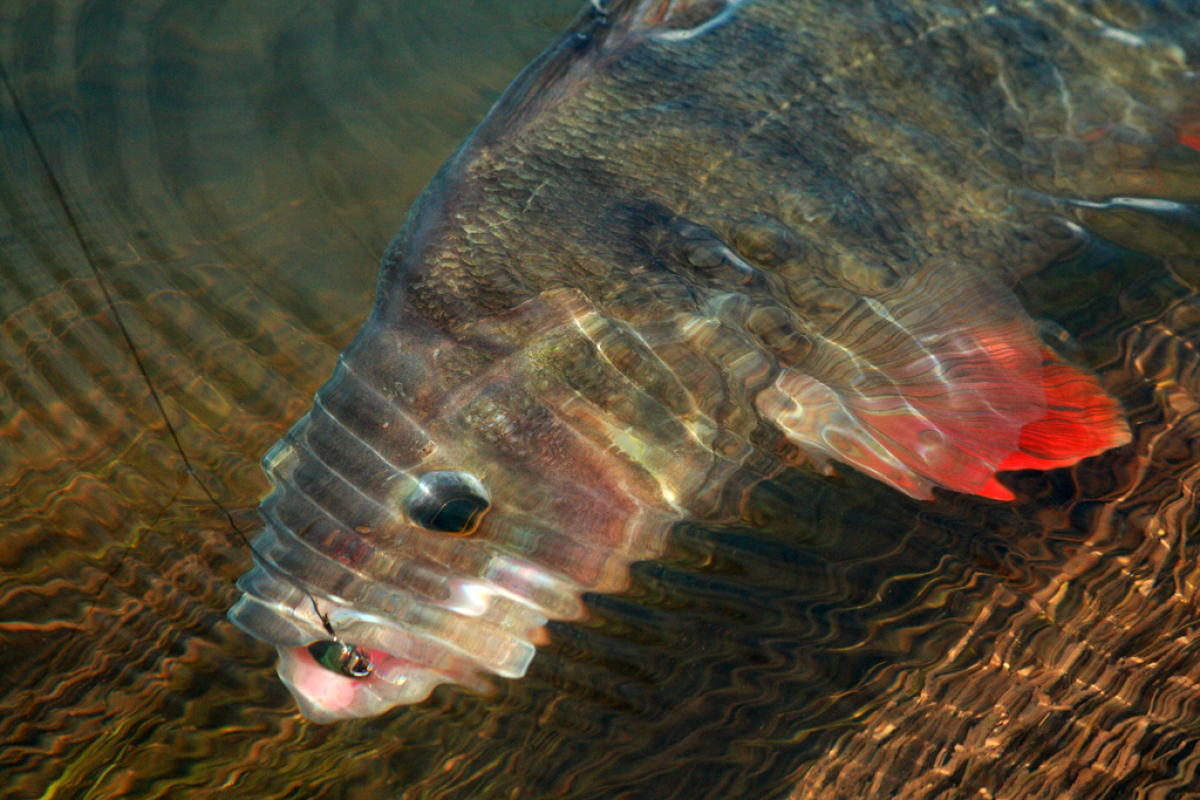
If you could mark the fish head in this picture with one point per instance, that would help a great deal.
(448, 494)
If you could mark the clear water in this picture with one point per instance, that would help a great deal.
(239, 168)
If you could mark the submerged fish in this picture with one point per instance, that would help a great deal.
(697, 242)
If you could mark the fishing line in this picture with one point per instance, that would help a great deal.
(349, 653)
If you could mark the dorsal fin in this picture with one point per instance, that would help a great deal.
(678, 15)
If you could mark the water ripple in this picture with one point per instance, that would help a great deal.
(240, 167)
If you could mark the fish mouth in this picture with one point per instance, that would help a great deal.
(409, 657)
(326, 696)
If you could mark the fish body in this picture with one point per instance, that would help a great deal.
(695, 243)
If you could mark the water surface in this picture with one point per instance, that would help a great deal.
(238, 169)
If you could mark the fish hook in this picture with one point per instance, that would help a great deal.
(337, 656)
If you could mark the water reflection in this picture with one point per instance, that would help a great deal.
(241, 169)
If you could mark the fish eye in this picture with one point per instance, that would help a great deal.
(449, 502)
(341, 658)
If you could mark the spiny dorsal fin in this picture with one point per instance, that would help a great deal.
(678, 15)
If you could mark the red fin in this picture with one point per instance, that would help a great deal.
(941, 382)
(1080, 421)
(995, 490)
(1189, 135)
(920, 435)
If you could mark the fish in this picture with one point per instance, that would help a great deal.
(695, 244)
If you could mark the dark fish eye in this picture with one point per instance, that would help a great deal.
(341, 658)
(450, 502)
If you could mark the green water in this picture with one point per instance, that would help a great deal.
(238, 169)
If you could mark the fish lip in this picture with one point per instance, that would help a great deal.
(325, 696)
(275, 610)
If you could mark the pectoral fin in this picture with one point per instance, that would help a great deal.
(947, 394)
